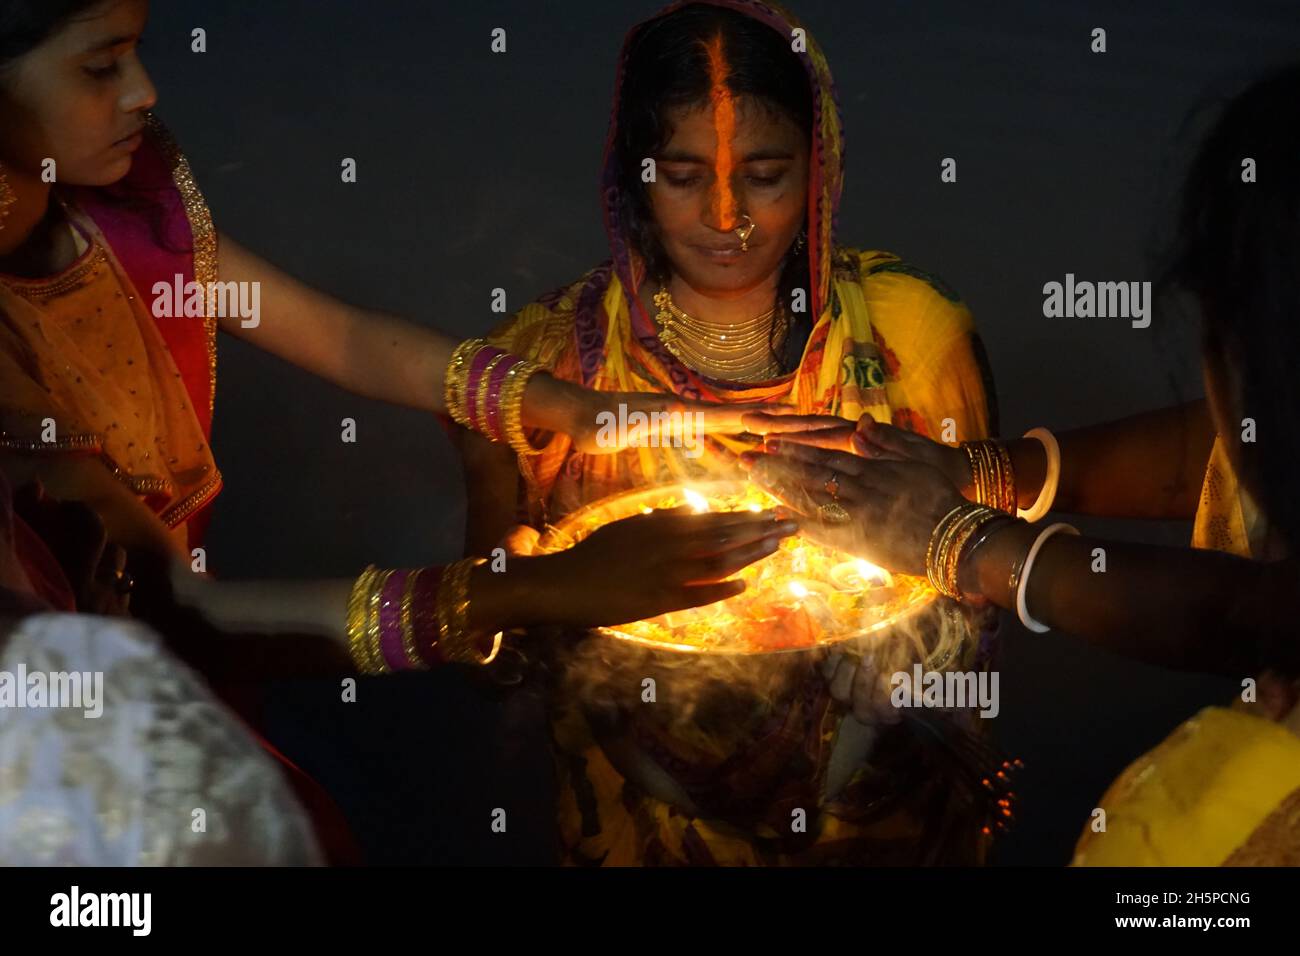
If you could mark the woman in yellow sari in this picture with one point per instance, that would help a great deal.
(722, 176)
(1224, 787)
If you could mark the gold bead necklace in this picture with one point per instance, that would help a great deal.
(688, 339)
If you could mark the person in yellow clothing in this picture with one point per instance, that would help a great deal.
(723, 171)
(1224, 788)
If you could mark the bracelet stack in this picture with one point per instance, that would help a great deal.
(995, 479)
(962, 529)
(484, 389)
(414, 620)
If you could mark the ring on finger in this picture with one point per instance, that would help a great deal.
(832, 486)
(833, 513)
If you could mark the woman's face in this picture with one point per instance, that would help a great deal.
(701, 191)
(78, 98)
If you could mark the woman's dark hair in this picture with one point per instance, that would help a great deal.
(1237, 253)
(667, 67)
(26, 24)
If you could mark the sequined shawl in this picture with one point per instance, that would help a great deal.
(150, 227)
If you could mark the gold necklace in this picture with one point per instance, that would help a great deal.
(732, 337)
(688, 339)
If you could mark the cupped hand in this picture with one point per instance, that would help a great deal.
(650, 564)
(892, 506)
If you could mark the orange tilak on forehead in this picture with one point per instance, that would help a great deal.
(724, 124)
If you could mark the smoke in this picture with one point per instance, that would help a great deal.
(721, 697)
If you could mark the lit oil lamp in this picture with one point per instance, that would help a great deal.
(860, 575)
(802, 595)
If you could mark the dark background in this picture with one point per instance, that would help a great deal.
(478, 170)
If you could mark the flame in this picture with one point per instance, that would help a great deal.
(844, 595)
(872, 572)
(696, 500)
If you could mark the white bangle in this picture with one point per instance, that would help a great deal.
(1051, 479)
(1022, 611)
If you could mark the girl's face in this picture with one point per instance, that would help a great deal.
(712, 172)
(79, 98)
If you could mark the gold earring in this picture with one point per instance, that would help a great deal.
(7, 197)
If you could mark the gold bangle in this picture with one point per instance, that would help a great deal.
(448, 588)
(992, 474)
(978, 478)
(1010, 501)
(512, 426)
(408, 631)
(374, 599)
(456, 381)
(458, 643)
(952, 558)
(943, 554)
(512, 405)
(950, 536)
(358, 601)
(940, 530)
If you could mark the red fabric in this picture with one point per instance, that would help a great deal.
(143, 216)
(144, 220)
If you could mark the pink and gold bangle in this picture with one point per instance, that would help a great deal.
(503, 374)
(465, 379)
(393, 620)
(424, 616)
(406, 621)
(481, 389)
(484, 391)
(392, 611)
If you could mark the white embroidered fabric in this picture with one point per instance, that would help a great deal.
(166, 776)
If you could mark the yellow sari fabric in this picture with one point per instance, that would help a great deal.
(1197, 798)
(892, 344)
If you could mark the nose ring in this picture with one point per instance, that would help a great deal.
(744, 231)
